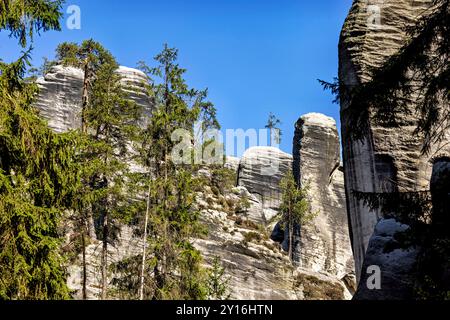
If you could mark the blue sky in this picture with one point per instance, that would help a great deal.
(255, 56)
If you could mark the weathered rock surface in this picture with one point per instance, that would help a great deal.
(325, 242)
(127, 245)
(256, 266)
(395, 265)
(260, 171)
(232, 163)
(59, 100)
(390, 159)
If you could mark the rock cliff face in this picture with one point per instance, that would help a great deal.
(257, 266)
(260, 172)
(59, 100)
(324, 243)
(389, 159)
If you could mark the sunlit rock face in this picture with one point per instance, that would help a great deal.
(60, 97)
(232, 163)
(260, 171)
(256, 265)
(325, 242)
(388, 159)
(59, 100)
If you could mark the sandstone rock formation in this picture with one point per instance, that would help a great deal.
(59, 100)
(324, 243)
(389, 159)
(256, 266)
(396, 266)
(260, 172)
(232, 163)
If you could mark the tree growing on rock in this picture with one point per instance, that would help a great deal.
(273, 124)
(217, 285)
(244, 204)
(295, 208)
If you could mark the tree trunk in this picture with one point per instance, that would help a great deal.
(83, 243)
(105, 256)
(291, 240)
(145, 245)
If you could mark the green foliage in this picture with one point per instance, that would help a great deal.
(417, 75)
(42, 70)
(37, 176)
(317, 289)
(252, 237)
(223, 178)
(243, 204)
(173, 222)
(295, 207)
(25, 18)
(217, 285)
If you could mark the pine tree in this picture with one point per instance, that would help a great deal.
(218, 287)
(173, 221)
(109, 127)
(273, 125)
(37, 180)
(295, 208)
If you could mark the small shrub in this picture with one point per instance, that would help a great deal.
(316, 289)
(252, 237)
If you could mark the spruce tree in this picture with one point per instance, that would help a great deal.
(295, 208)
(109, 126)
(173, 221)
(37, 181)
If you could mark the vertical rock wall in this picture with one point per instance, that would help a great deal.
(260, 171)
(325, 243)
(389, 159)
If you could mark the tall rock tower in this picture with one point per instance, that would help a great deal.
(325, 242)
(388, 159)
